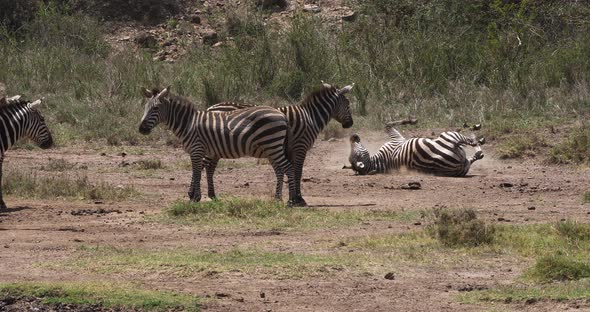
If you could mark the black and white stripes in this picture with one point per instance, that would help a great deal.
(443, 156)
(306, 121)
(20, 118)
(260, 132)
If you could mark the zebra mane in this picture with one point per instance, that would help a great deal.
(178, 100)
(12, 101)
(321, 92)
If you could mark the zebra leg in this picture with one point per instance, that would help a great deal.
(210, 165)
(298, 174)
(194, 192)
(2, 204)
(477, 156)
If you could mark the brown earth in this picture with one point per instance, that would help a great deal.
(33, 232)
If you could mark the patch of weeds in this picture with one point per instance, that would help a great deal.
(266, 214)
(574, 149)
(558, 267)
(516, 146)
(147, 164)
(191, 262)
(586, 198)
(59, 165)
(29, 185)
(573, 230)
(460, 227)
(573, 290)
(109, 295)
(333, 130)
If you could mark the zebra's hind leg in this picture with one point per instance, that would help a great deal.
(298, 173)
(2, 204)
(210, 164)
(477, 156)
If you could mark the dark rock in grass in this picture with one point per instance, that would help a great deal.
(390, 276)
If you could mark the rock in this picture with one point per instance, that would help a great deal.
(390, 276)
(146, 40)
(262, 295)
(313, 8)
(411, 186)
(349, 15)
(506, 184)
(532, 208)
(209, 36)
(195, 19)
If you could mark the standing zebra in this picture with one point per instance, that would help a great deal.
(306, 121)
(20, 118)
(260, 132)
(442, 156)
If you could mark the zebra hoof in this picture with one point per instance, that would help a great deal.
(478, 155)
(298, 202)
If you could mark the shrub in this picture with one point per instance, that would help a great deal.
(574, 149)
(558, 268)
(516, 146)
(460, 227)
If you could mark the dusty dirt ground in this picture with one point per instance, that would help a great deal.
(37, 231)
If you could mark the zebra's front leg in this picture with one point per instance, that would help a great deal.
(194, 192)
(2, 204)
(210, 165)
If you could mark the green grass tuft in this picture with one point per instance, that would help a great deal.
(147, 164)
(191, 262)
(586, 198)
(558, 267)
(236, 213)
(516, 146)
(59, 165)
(519, 293)
(574, 149)
(29, 185)
(573, 230)
(461, 228)
(109, 295)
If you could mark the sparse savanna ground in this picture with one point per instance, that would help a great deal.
(124, 237)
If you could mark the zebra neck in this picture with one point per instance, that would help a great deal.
(177, 116)
(320, 111)
(15, 120)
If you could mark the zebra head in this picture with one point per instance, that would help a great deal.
(342, 112)
(151, 114)
(36, 128)
(359, 156)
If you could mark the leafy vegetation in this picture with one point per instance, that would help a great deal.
(574, 149)
(108, 295)
(558, 268)
(444, 61)
(523, 144)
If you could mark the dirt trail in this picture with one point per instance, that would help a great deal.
(33, 232)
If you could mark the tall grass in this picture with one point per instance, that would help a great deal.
(444, 61)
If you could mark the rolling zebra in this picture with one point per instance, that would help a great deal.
(20, 118)
(306, 121)
(260, 132)
(442, 156)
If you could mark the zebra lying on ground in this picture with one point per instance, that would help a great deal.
(260, 132)
(20, 118)
(442, 156)
(306, 121)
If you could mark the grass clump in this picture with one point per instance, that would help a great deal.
(558, 267)
(573, 230)
(147, 164)
(29, 185)
(59, 165)
(572, 290)
(108, 295)
(586, 198)
(190, 262)
(516, 146)
(267, 215)
(574, 149)
(461, 227)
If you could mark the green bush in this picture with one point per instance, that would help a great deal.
(460, 227)
(516, 146)
(573, 230)
(559, 268)
(574, 149)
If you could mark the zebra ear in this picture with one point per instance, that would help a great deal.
(346, 89)
(326, 85)
(164, 92)
(36, 103)
(147, 93)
